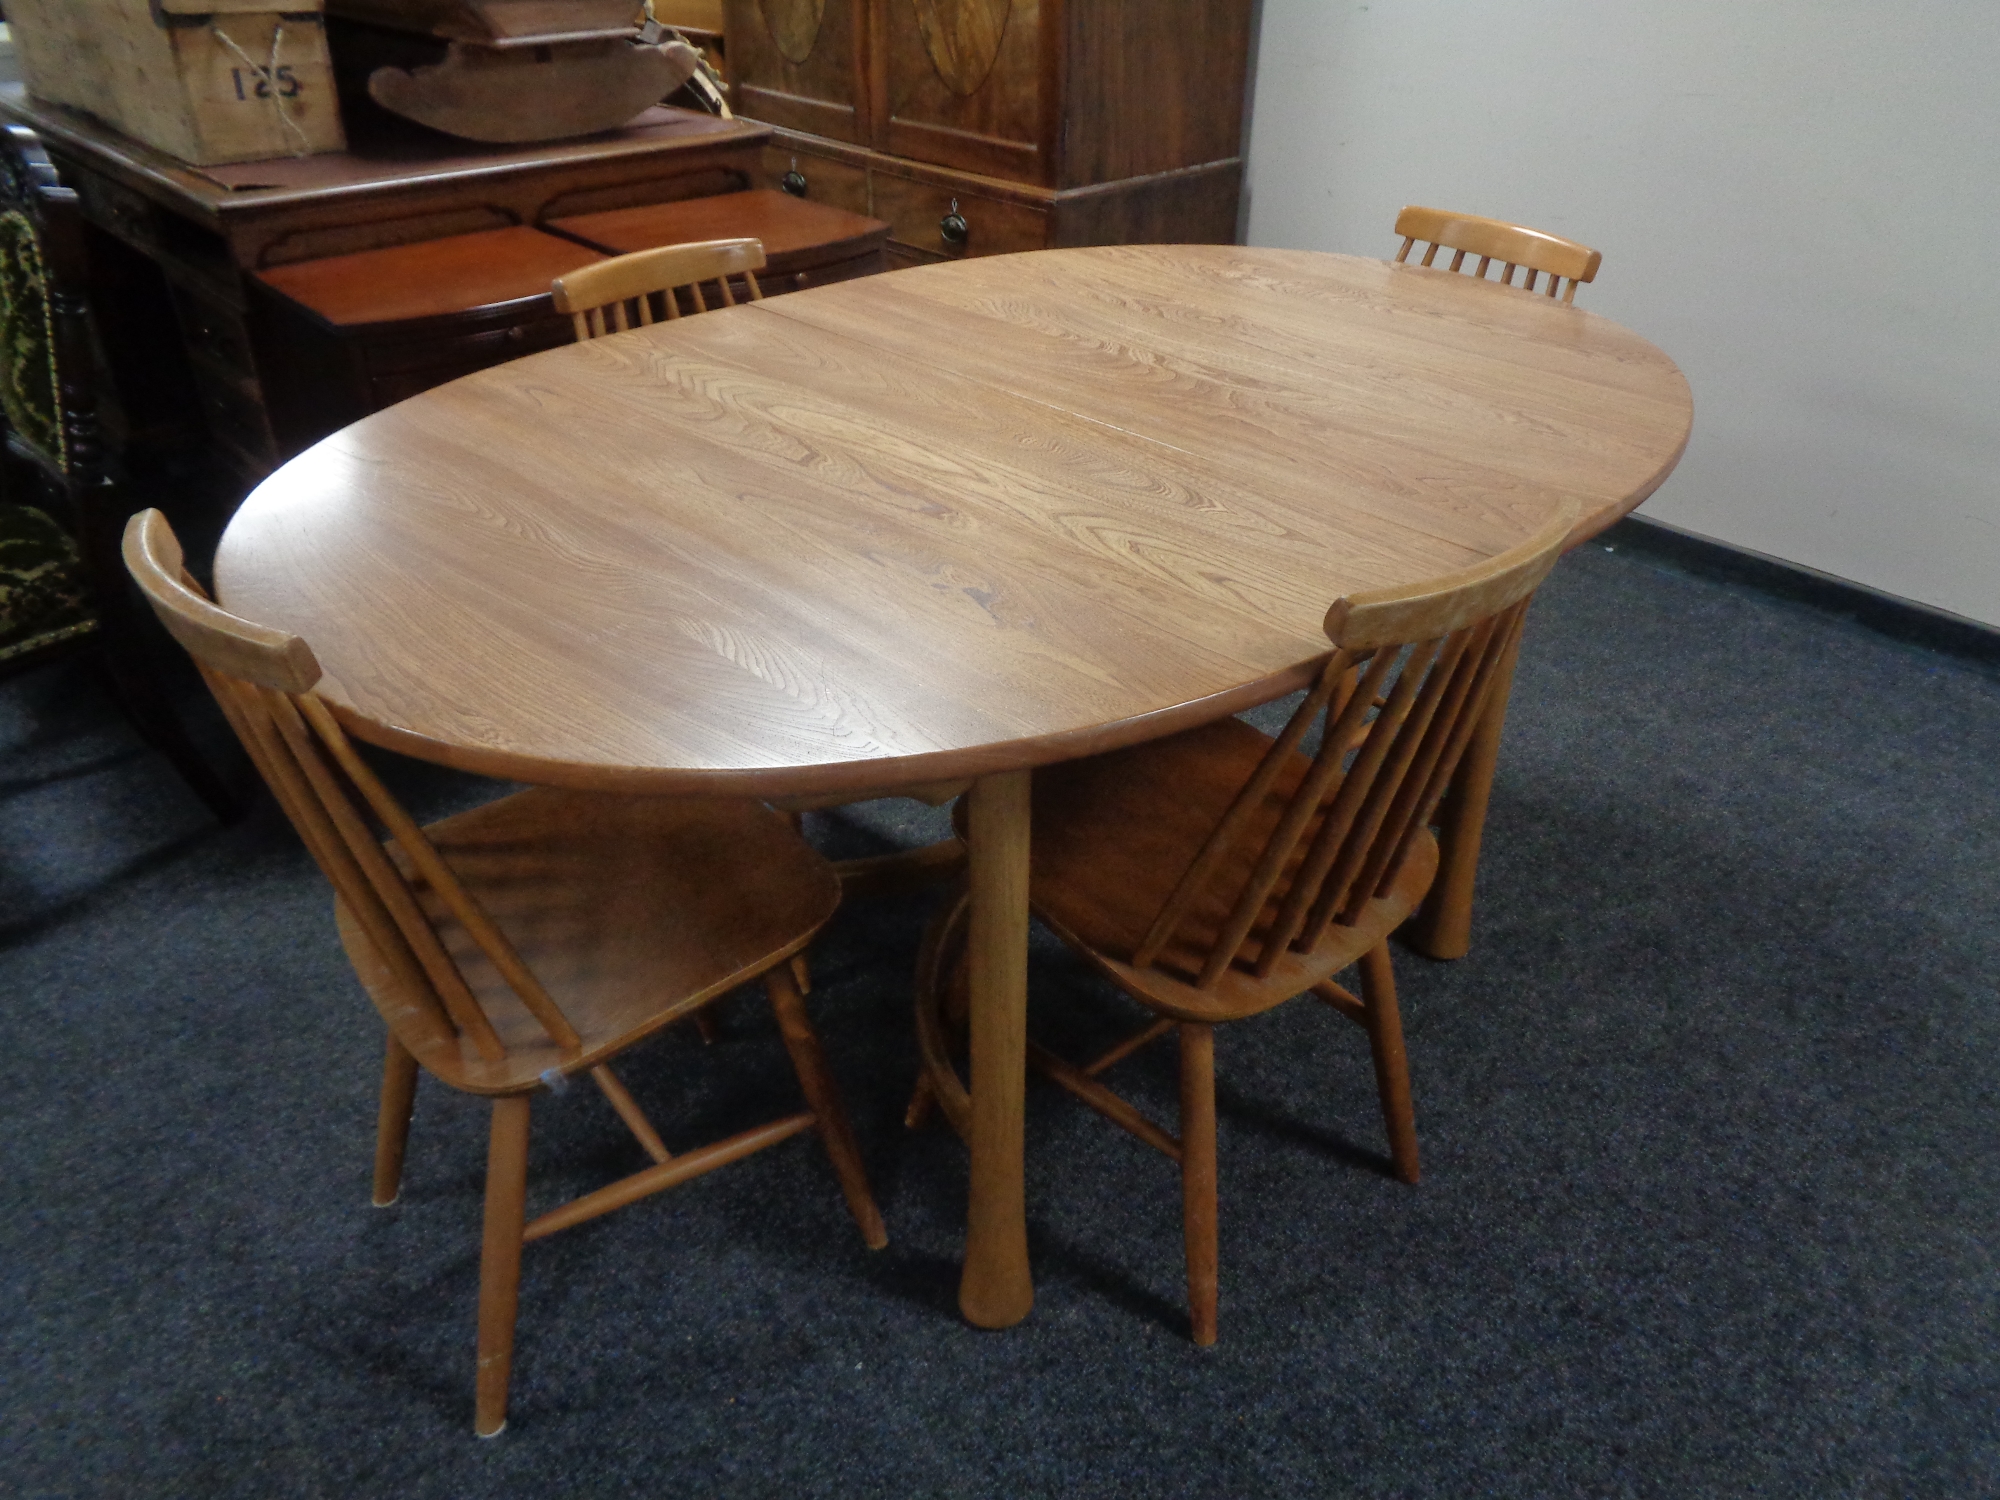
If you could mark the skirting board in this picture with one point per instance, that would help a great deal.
(1903, 619)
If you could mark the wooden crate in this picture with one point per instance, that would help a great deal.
(208, 81)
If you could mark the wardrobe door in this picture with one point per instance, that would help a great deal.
(800, 64)
(967, 83)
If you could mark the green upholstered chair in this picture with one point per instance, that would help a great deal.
(63, 590)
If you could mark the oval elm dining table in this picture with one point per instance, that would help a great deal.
(953, 522)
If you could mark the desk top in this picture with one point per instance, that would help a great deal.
(957, 519)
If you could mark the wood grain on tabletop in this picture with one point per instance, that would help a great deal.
(950, 522)
(1357, 366)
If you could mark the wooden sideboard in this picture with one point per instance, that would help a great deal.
(173, 245)
(350, 334)
(977, 127)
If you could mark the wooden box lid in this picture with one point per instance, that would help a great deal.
(431, 279)
(497, 22)
(797, 233)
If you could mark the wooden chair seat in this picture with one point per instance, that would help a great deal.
(1114, 833)
(629, 910)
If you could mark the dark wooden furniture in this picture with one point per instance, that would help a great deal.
(173, 245)
(63, 592)
(527, 941)
(351, 334)
(958, 521)
(976, 127)
(806, 244)
(1218, 873)
(360, 332)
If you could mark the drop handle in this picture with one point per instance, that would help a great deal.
(953, 229)
(794, 181)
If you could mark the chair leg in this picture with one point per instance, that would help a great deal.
(500, 1259)
(954, 1007)
(921, 1106)
(823, 1098)
(1392, 1067)
(392, 1124)
(1442, 927)
(1198, 1175)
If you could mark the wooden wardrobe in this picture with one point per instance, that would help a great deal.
(976, 127)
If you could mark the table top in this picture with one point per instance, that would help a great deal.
(948, 521)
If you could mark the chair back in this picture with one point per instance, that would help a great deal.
(603, 291)
(1397, 701)
(1516, 246)
(263, 678)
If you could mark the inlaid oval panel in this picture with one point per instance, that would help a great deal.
(794, 25)
(963, 38)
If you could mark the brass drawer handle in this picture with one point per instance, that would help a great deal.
(953, 229)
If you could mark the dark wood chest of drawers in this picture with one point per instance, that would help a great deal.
(977, 127)
(175, 248)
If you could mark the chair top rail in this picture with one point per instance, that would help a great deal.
(226, 643)
(1439, 606)
(646, 271)
(1515, 244)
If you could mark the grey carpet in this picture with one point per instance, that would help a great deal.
(1708, 1121)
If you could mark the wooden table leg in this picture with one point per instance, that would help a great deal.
(996, 1290)
(1442, 927)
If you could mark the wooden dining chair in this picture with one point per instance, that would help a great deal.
(1218, 873)
(530, 940)
(1515, 246)
(618, 294)
(1443, 929)
(63, 593)
(614, 295)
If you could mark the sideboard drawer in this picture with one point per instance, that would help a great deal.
(871, 264)
(916, 212)
(827, 180)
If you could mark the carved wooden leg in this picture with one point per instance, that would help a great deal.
(997, 1289)
(500, 1259)
(1442, 927)
(1198, 1176)
(392, 1123)
(1392, 1068)
(823, 1098)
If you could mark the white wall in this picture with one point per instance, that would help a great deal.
(1799, 200)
